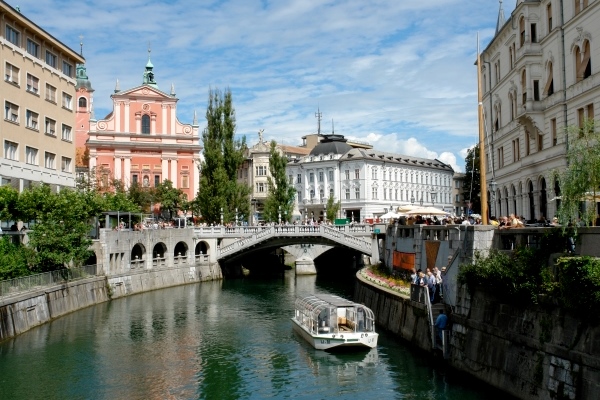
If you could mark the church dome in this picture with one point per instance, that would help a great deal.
(331, 144)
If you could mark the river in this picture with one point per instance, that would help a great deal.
(213, 340)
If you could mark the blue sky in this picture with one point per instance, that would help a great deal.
(398, 74)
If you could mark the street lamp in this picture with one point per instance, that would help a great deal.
(279, 215)
(421, 201)
(412, 200)
(493, 186)
(221, 215)
(236, 216)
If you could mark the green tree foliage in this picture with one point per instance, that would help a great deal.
(13, 259)
(332, 208)
(579, 285)
(141, 196)
(580, 180)
(170, 198)
(223, 156)
(472, 182)
(8, 202)
(280, 198)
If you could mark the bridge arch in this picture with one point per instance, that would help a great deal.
(159, 250)
(181, 249)
(202, 249)
(138, 252)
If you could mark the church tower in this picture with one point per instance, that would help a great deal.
(83, 113)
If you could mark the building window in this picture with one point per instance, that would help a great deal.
(291, 179)
(536, 90)
(261, 170)
(549, 16)
(553, 131)
(516, 150)
(33, 84)
(321, 176)
(533, 32)
(347, 194)
(82, 102)
(524, 87)
(33, 48)
(50, 127)
(549, 88)
(11, 74)
(347, 173)
(66, 133)
(185, 182)
(321, 194)
(312, 194)
(67, 69)
(540, 142)
(374, 173)
(134, 179)
(145, 124)
(11, 150)
(331, 192)
(49, 160)
(357, 193)
(385, 194)
(65, 164)
(311, 177)
(522, 31)
(330, 173)
(299, 178)
(11, 112)
(31, 155)
(374, 193)
(260, 187)
(50, 93)
(583, 64)
(501, 157)
(156, 180)
(577, 6)
(67, 101)
(13, 36)
(357, 173)
(50, 59)
(32, 119)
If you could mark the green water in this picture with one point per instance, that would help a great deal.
(215, 340)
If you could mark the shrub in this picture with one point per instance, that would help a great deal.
(579, 285)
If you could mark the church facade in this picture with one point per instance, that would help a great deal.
(141, 141)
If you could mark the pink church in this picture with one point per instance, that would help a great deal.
(141, 140)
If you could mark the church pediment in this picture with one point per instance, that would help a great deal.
(144, 91)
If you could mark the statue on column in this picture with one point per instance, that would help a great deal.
(260, 135)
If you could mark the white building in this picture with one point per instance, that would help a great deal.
(539, 76)
(368, 182)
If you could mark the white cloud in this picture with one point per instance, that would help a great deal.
(398, 74)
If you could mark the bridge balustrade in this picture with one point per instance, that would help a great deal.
(180, 260)
(159, 261)
(137, 263)
(201, 258)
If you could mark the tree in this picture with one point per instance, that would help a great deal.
(332, 208)
(472, 182)
(223, 156)
(141, 196)
(8, 202)
(280, 198)
(170, 198)
(580, 180)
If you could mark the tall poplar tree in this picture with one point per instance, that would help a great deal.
(280, 199)
(223, 157)
(472, 182)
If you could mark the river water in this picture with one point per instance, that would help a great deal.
(213, 340)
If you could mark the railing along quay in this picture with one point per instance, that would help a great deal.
(23, 284)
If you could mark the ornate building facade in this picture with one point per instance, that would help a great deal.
(141, 140)
(539, 76)
(367, 182)
(37, 92)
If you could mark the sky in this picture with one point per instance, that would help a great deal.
(398, 74)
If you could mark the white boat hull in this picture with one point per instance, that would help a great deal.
(328, 341)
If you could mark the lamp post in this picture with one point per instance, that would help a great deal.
(421, 201)
(412, 200)
(236, 216)
(493, 186)
(221, 216)
(279, 215)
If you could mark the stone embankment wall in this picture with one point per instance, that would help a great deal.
(25, 311)
(532, 353)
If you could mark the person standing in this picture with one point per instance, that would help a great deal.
(441, 323)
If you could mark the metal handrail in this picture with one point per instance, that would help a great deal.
(14, 286)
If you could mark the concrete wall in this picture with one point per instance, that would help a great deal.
(28, 310)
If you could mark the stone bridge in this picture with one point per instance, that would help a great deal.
(125, 250)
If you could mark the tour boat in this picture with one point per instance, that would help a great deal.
(327, 321)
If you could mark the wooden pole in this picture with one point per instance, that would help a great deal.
(482, 155)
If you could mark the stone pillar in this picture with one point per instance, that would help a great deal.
(165, 168)
(374, 249)
(117, 171)
(305, 266)
(164, 119)
(127, 128)
(127, 172)
(174, 173)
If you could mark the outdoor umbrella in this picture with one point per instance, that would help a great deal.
(427, 211)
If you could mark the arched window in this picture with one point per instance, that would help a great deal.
(522, 31)
(583, 63)
(146, 124)
(524, 86)
(82, 102)
(549, 89)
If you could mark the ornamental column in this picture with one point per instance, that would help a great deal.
(174, 172)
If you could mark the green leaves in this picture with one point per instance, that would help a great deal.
(223, 156)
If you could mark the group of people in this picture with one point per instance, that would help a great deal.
(433, 279)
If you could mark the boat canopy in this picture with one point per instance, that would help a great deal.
(324, 313)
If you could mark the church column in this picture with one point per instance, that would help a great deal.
(93, 161)
(117, 172)
(153, 123)
(164, 120)
(138, 123)
(127, 127)
(165, 168)
(174, 173)
(118, 116)
(127, 172)
(173, 119)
